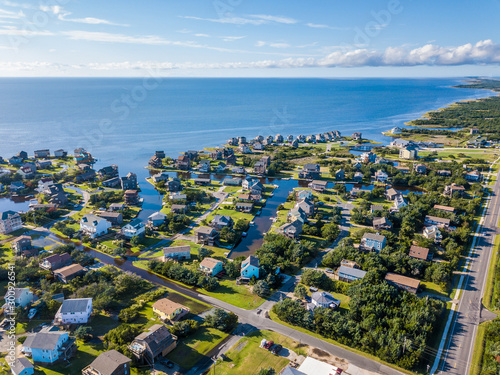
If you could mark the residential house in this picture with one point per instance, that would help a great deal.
(221, 221)
(108, 172)
(216, 155)
(400, 143)
(43, 164)
(156, 219)
(317, 185)
(135, 228)
(15, 160)
(166, 309)
(289, 138)
(444, 173)
(250, 267)
(368, 157)
(438, 221)
(221, 167)
(112, 182)
(257, 146)
(409, 152)
(310, 171)
(110, 362)
(474, 131)
(473, 176)
(244, 206)
(68, 273)
(421, 253)
(358, 177)
(56, 261)
(178, 208)
(444, 208)
(10, 221)
(399, 202)
(74, 311)
(228, 181)
(155, 162)
(238, 170)
(433, 233)
(350, 274)
(86, 176)
(176, 253)
(94, 226)
(450, 190)
(244, 149)
(339, 174)
(380, 223)
(211, 266)
(26, 173)
(21, 244)
(373, 242)
(391, 194)
(402, 169)
(403, 282)
(303, 194)
(295, 143)
(129, 182)
(279, 138)
(116, 206)
(82, 156)
(230, 159)
(232, 141)
(49, 347)
(115, 218)
(202, 181)
(396, 130)
(204, 166)
(311, 139)
(173, 185)
(183, 162)
(60, 153)
(191, 154)
(242, 140)
(420, 168)
(307, 206)
(42, 154)
(323, 299)
(291, 230)
(266, 160)
(177, 196)
(206, 235)
(296, 213)
(376, 207)
(259, 168)
(83, 167)
(21, 297)
(381, 176)
(356, 136)
(131, 197)
(22, 366)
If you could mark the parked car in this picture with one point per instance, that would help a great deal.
(268, 344)
(313, 289)
(329, 270)
(276, 349)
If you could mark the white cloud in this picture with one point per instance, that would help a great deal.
(257, 19)
(261, 43)
(202, 35)
(231, 38)
(90, 21)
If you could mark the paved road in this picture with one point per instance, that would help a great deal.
(470, 311)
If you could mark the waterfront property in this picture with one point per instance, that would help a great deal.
(291, 230)
(206, 235)
(250, 267)
(156, 219)
(319, 186)
(135, 228)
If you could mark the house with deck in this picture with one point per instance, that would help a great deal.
(176, 253)
(211, 266)
(94, 226)
(373, 242)
(10, 221)
(403, 282)
(149, 345)
(250, 267)
(206, 235)
(110, 362)
(74, 311)
(169, 310)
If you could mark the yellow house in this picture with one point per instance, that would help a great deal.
(169, 310)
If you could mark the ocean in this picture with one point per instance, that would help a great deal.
(123, 121)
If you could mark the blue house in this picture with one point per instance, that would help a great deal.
(22, 366)
(250, 267)
(49, 346)
(373, 242)
(349, 274)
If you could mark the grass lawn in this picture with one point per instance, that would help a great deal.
(478, 352)
(434, 289)
(236, 295)
(145, 243)
(247, 357)
(101, 324)
(193, 348)
(490, 281)
(235, 215)
(469, 153)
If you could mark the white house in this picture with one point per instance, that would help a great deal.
(250, 267)
(94, 226)
(74, 311)
(134, 228)
(303, 194)
(19, 296)
(10, 221)
(323, 299)
(176, 252)
(433, 233)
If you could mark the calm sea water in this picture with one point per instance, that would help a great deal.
(123, 121)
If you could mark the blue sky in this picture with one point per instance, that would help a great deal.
(249, 38)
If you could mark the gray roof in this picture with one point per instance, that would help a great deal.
(7, 214)
(157, 216)
(17, 292)
(91, 219)
(108, 362)
(177, 249)
(136, 223)
(375, 237)
(292, 371)
(222, 219)
(251, 260)
(324, 297)
(75, 305)
(352, 272)
(20, 365)
(204, 230)
(43, 340)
